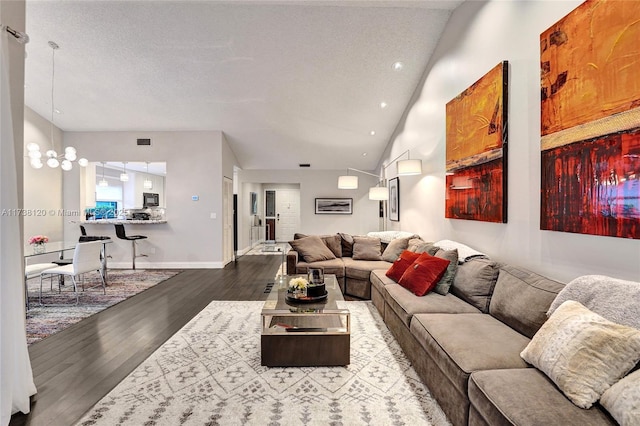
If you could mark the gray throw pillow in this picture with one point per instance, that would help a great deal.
(423, 247)
(445, 283)
(312, 249)
(367, 248)
(474, 282)
(394, 249)
(346, 241)
(413, 243)
(331, 241)
(334, 243)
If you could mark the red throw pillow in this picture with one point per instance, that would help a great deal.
(401, 264)
(423, 275)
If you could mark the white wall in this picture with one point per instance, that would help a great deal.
(478, 36)
(194, 160)
(42, 187)
(314, 184)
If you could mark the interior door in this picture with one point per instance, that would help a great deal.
(227, 220)
(287, 213)
(270, 215)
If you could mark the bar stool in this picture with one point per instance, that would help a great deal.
(120, 233)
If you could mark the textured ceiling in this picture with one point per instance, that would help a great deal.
(287, 82)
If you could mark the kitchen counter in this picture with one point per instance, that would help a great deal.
(121, 221)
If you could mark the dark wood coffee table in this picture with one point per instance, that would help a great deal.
(298, 334)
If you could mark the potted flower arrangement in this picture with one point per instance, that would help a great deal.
(298, 287)
(38, 241)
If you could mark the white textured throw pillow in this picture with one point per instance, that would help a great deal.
(582, 352)
(622, 400)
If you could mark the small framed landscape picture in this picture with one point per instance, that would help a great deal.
(334, 205)
(394, 199)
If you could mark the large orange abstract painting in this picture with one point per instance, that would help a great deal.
(590, 121)
(477, 150)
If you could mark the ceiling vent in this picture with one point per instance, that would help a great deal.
(144, 142)
(304, 165)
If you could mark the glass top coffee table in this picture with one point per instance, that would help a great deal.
(296, 334)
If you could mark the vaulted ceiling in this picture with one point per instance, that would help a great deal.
(288, 82)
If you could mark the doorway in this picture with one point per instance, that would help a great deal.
(282, 214)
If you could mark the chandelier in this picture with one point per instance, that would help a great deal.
(53, 160)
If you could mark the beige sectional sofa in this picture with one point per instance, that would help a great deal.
(466, 345)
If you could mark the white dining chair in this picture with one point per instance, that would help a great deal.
(86, 258)
(32, 271)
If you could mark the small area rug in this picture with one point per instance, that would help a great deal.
(266, 249)
(209, 373)
(43, 321)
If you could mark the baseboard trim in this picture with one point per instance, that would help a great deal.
(167, 265)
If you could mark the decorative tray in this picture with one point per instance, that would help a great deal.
(307, 299)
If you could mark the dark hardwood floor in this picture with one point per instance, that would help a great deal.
(76, 367)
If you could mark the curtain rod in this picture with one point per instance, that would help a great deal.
(22, 38)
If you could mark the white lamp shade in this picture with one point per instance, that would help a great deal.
(32, 146)
(53, 162)
(409, 167)
(35, 154)
(348, 182)
(36, 163)
(147, 184)
(83, 162)
(379, 193)
(124, 177)
(103, 182)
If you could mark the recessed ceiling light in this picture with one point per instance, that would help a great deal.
(372, 133)
(383, 105)
(57, 111)
(364, 154)
(398, 66)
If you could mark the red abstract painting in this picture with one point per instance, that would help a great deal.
(476, 184)
(590, 121)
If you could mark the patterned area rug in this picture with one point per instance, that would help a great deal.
(209, 373)
(43, 321)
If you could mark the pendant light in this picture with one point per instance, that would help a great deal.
(148, 184)
(124, 177)
(52, 158)
(103, 182)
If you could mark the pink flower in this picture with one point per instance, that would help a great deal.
(38, 239)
